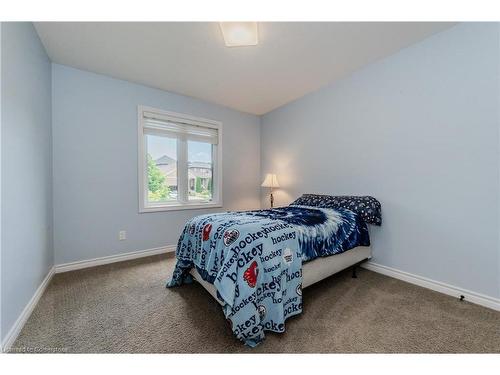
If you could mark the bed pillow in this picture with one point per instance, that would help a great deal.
(368, 208)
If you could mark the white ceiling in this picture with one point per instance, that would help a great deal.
(291, 59)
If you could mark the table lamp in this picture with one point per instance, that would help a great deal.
(271, 182)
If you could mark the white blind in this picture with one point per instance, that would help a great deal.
(157, 126)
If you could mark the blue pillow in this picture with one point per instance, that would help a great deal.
(368, 208)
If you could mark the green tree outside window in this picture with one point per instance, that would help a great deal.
(158, 189)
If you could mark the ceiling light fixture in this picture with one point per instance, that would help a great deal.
(239, 34)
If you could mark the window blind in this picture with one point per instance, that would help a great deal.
(193, 132)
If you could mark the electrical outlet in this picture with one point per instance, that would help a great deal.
(122, 235)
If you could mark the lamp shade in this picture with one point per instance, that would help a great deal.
(270, 181)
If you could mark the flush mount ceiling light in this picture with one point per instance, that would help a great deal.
(239, 34)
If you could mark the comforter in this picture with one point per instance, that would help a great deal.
(254, 259)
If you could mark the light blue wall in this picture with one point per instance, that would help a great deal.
(95, 164)
(420, 131)
(26, 159)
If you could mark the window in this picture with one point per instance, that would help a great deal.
(179, 161)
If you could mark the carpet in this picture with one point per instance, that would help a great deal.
(125, 308)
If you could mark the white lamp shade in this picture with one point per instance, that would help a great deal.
(270, 181)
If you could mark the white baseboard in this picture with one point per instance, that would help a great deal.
(72, 266)
(479, 299)
(26, 313)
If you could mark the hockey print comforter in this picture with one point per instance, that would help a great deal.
(254, 259)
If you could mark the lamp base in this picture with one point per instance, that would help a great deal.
(272, 200)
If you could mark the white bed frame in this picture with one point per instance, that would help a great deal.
(313, 271)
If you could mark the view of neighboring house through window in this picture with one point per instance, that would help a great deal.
(200, 171)
(162, 168)
(178, 166)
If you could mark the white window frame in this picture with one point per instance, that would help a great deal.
(216, 201)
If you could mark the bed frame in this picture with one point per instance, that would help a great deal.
(315, 270)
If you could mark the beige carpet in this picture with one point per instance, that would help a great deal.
(125, 307)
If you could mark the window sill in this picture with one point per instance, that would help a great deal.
(180, 207)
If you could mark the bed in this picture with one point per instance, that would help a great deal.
(256, 263)
(312, 271)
